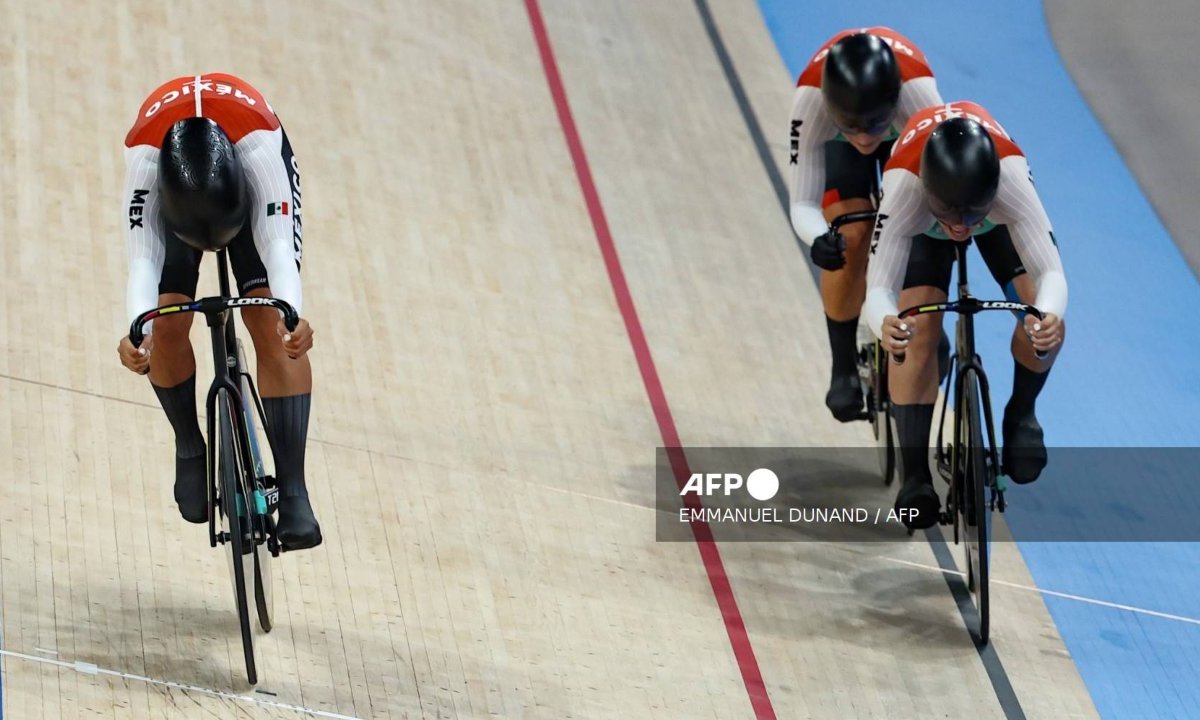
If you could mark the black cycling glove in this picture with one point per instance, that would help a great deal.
(829, 251)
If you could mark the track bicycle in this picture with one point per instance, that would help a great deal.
(242, 498)
(872, 373)
(970, 461)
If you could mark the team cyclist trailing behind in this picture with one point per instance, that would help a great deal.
(860, 87)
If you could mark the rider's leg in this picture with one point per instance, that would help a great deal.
(285, 385)
(173, 377)
(1024, 449)
(842, 293)
(849, 180)
(913, 385)
(1024, 443)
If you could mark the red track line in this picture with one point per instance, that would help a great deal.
(722, 590)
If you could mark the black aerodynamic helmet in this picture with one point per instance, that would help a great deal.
(960, 170)
(861, 84)
(202, 188)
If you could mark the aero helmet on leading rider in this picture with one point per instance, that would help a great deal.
(960, 171)
(201, 185)
(861, 84)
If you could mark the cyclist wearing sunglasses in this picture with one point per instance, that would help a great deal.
(956, 173)
(858, 89)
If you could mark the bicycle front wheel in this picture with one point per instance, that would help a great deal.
(235, 526)
(975, 511)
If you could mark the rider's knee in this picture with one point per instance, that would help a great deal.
(927, 333)
(172, 330)
(262, 324)
(856, 236)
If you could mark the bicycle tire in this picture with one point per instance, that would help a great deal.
(231, 487)
(887, 447)
(976, 511)
(264, 599)
(873, 373)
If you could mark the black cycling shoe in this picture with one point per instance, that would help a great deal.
(845, 397)
(1024, 448)
(919, 502)
(297, 528)
(191, 491)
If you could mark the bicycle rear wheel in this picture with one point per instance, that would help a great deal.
(235, 525)
(873, 372)
(264, 598)
(260, 510)
(973, 507)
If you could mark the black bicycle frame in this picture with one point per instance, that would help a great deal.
(966, 359)
(226, 367)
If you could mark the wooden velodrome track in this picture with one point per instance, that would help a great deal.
(482, 442)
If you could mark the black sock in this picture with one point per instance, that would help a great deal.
(286, 419)
(913, 423)
(1027, 385)
(843, 340)
(179, 403)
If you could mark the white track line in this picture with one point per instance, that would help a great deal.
(930, 568)
(1052, 593)
(91, 669)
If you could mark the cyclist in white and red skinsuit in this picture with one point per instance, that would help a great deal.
(209, 167)
(860, 87)
(955, 172)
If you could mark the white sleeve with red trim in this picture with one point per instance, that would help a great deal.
(142, 241)
(811, 127)
(902, 214)
(1018, 207)
(275, 235)
(915, 95)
